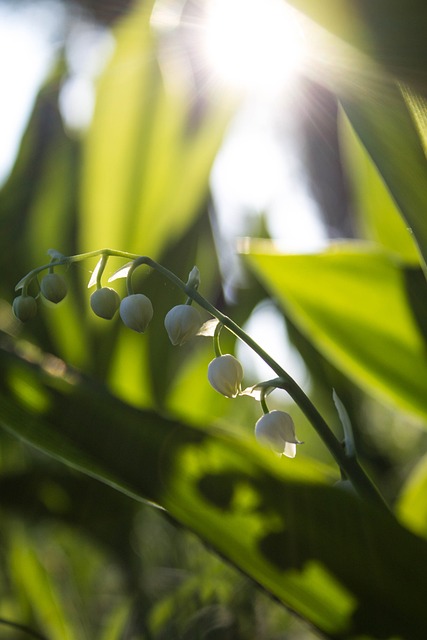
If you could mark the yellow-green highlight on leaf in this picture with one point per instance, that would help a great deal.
(130, 378)
(28, 391)
(378, 217)
(351, 302)
(340, 17)
(411, 506)
(331, 593)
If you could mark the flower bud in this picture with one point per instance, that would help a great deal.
(277, 431)
(194, 278)
(136, 311)
(24, 308)
(182, 323)
(225, 374)
(105, 302)
(53, 287)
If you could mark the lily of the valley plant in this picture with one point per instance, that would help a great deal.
(275, 429)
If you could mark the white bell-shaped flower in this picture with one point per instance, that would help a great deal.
(53, 287)
(276, 430)
(136, 311)
(105, 302)
(24, 308)
(225, 374)
(182, 323)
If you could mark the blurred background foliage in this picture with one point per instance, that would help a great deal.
(141, 171)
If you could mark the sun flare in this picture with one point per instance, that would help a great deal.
(253, 44)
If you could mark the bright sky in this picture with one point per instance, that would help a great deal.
(255, 45)
(25, 55)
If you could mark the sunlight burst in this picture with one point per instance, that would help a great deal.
(253, 44)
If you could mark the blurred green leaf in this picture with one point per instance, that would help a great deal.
(279, 522)
(145, 180)
(37, 201)
(417, 105)
(383, 123)
(390, 31)
(45, 494)
(151, 144)
(35, 584)
(115, 627)
(386, 110)
(38, 206)
(411, 506)
(352, 302)
(377, 214)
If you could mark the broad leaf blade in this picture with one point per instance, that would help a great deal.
(388, 117)
(387, 130)
(390, 31)
(378, 217)
(352, 303)
(280, 523)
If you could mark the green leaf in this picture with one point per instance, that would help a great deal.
(150, 146)
(386, 128)
(33, 581)
(118, 622)
(147, 159)
(325, 554)
(417, 105)
(390, 31)
(411, 505)
(387, 116)
(352, 302)
(377, 214)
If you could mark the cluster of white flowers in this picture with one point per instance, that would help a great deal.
(274, 429)
(135, 310)
(182, 322)
(53, 287)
